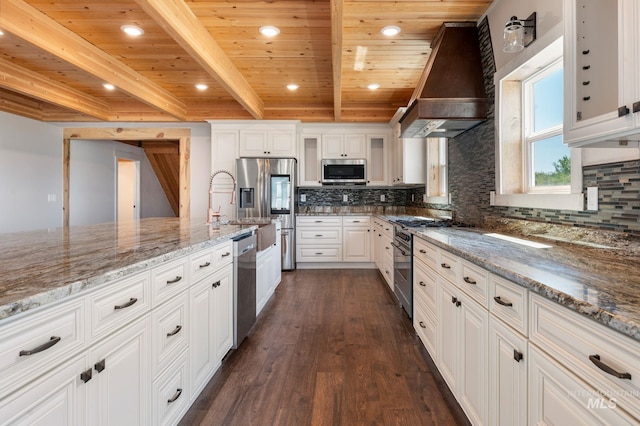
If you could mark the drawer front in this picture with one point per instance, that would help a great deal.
(316, 221)
(118, 304)
(425, 285)
(223, 254)
(575, 341)
(319, 236)
(426, 253)
(387, 229)
(509, 302)
(474, 281)
(387, 269)
(424, 323)
(201, 264)
(170, 332)
(352, 221)
(31, 345)
(319, 254)
(171, 393)
(169, 279)
(448, 266)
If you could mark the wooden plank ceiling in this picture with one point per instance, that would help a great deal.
(56, 55)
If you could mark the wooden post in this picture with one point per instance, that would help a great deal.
(66, 158)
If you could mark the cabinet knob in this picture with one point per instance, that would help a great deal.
(100, 365)
(517, 355)
(636, 106)
(85, 376)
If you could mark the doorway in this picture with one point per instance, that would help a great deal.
(127, 190)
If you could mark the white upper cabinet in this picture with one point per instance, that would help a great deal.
(602, 100)
(377, 159)
(409, 160)
(344, 146)
(267, 143)
(309, 161)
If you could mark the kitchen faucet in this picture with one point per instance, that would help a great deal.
(210, 213)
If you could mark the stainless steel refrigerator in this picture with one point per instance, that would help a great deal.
(267, 188)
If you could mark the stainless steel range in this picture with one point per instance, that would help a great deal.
(402, 255)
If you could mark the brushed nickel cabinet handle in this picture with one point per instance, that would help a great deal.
(43, 347)
(126, 305)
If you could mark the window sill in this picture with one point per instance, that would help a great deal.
(573, 202)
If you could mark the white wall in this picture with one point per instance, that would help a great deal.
(549, 15)
(31, 169)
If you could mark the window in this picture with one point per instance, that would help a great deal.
(534, 168)
(436, 189)
(547, 159)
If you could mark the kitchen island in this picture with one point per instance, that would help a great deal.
(41, 267)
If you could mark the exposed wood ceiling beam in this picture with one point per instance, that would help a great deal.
(30, 24)
(336, 55)
(26, 82)
(178, 20)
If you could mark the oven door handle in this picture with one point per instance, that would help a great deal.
(399, 248)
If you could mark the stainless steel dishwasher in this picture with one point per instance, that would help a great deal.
(244, 286)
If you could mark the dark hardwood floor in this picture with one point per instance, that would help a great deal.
(332, 347)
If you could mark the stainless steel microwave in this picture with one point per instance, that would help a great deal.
(344, 171)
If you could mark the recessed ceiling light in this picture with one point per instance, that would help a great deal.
(269, 31)
(373, 86)
(132, 30)
(109, 86)
(390, 30)
(292, 86)
(201, 86)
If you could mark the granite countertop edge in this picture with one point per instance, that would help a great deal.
(77, 287)
(624, 325)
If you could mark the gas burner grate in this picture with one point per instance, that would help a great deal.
(431, 223)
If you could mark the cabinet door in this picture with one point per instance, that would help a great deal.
(262, 284)
(253, 143)
(557, 397)
(55, 399)
(473, 377)
(201, 339)
(357, 245)
(223, 312)
(276, 263)
(508, 359)
(332, 146)
(355, 146)
(600, 80)
(281, 144)
(121, 385)
(448, 334)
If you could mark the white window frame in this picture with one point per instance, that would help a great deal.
(511, 187)
(436, 188)
(530, 137)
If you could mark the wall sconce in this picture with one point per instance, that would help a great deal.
(518, 33)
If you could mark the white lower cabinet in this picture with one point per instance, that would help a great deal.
(119, 391)
(211, 321)
(268, 272)
(508, 360)
(171, 392)
(558, 397)
(463, 350)
(356, 234)
(55, 399)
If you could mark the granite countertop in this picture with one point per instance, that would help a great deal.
(602, 284)
(40, 267)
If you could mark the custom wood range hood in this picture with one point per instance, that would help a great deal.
(450, 97)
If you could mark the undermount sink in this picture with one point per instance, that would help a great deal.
(266, 232)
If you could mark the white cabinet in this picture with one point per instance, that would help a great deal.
(264, 262)
(211, 323)
(383, 235)
(377, 159)
(309, 164)
(119, 392)
(425, 295)
(262, 142)
(508, 360)
(463, 332)
(318, 239)
(343, 146)
(356, 234)
(171, 389)
(409, 160)
(602, 90)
